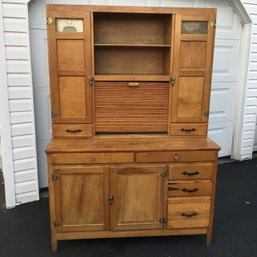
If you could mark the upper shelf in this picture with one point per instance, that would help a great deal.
(134, 45)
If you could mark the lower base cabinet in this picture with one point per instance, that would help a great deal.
(136, 193)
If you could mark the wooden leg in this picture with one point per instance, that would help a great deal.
(54, 244)
(208, 239)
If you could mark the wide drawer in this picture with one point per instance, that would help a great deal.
(81, 158)
(189, 212)
(72, 130)
(190, 188)
(191, 171)
(188, 129)
(186, 156)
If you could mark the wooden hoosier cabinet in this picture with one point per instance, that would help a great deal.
(130, 93)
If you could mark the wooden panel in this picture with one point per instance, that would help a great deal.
(190, 97)
(81, 199)
(190, 188)
(131, 107)
(175, 156)
(192, 55)
(118, 28)
(188, 129)
(72, 97)
(131, 60)
(80, 158)
(138, 198)
(191, 171)
(72, 130)
(70, 54)
(189, 212)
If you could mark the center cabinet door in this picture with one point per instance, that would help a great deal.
(81, 198)
(137, 194)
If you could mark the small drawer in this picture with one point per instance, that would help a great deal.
(191, 171)
(176, 156)
(188, 129)
(190, 188)
(72, 130)
(186, 212)
(83, 158)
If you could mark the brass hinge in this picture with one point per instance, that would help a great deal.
(91, 81)
(54, 177)
(162, 220)
(163, 174)
(110, 199)
(172, 81)
(54, 114)
(206, 114)
(57, 224)
(213, 24)
(49, 20)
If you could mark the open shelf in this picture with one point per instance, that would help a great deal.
(133, 45)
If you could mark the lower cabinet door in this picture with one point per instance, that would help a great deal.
(81, 198)
(137, 197)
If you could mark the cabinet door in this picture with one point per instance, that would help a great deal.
(137, 197)
(192, 66)
(81, 198)
(69, 47)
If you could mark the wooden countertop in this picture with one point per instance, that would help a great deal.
(107, 144)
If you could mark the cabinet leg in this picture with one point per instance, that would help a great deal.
(54, 244)
(208, 239)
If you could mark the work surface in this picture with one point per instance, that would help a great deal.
(24, 230)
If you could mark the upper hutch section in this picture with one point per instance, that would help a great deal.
(130, 69)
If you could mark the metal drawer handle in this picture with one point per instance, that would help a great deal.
(187, 173)
(188, 130)
(176, 157)
(190, 190)
(133, 84)
(73, 130)
(189, 215)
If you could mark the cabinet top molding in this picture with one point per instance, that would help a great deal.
(129, 9)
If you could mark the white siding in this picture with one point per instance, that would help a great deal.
(249, 139)
(20, 95)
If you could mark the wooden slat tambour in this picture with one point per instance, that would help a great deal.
(120, 108)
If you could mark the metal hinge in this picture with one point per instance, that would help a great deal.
(57, 224)
(91, 81)
(206, 114)
(213, 24)
(49, 21)
(163, 174)
(54, 114)
(162, 220)
(54, 177)
(172, 81)
(110, 199)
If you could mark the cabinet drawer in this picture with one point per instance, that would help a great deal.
(191, 171)
(176, 156)
(72, 130)
(188, 129)
(189, 212)
(81, 158)
(190, 188)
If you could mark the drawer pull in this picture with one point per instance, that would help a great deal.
(187, 173)
(133, 84)
(73, 130)
(176, 157)
(188, 130)
(189, 215)
(190, 190)
(92, 159)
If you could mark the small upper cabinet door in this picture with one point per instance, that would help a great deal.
(69, 46)
(81, 198)
(192, 66)
(137, 197)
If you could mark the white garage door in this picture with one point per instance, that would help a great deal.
(226, 60)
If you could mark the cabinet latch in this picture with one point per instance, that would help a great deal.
(54, 114)
(57, 224)
(163, 174)
(213, 24)
(172, 81)
(162, 220)
(110, 199)
(54, 177)
(206, 114)
(91, 81)
(49, 21)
